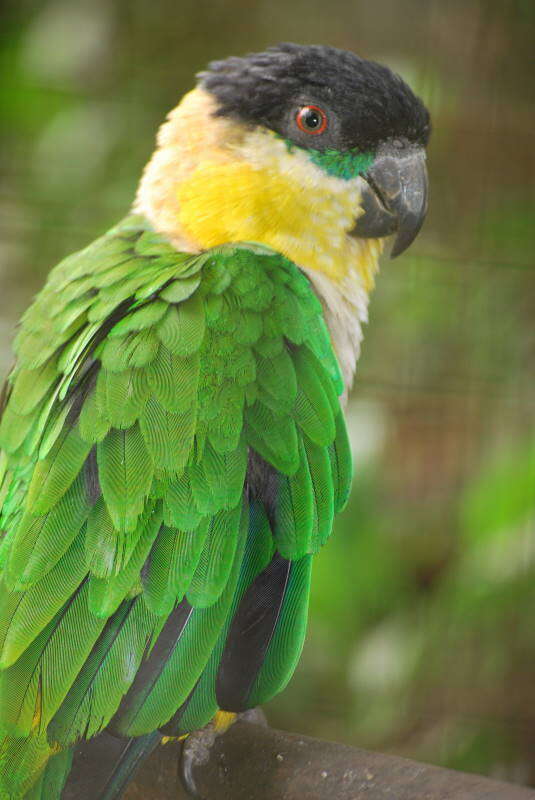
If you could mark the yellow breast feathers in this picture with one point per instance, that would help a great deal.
(214, 181)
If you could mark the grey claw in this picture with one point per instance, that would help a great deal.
(195, 753)
(196, 750)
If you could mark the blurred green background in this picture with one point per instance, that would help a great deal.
(422, 633)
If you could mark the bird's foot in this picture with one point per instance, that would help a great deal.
(197, 746)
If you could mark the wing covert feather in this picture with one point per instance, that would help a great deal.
(145, 380)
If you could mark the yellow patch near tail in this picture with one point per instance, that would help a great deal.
(171, 739)
(223, 720)
(220, 723)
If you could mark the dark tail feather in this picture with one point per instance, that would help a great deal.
(266, 635)
(103, 766)
(258, 649)
(201, 705)
(151, 668)
(135, 752)
(250, 634)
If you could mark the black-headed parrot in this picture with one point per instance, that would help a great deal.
(173, 445)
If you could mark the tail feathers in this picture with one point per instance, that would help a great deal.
(266, 635)
(201, 704)
(260, 644)
(178, 657)
(267, 628)
(250, 634)
(103, 766)
(260, 629)
(199, 707)
(135, 752)
(98, 769)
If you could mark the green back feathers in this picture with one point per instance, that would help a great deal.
(145, 377)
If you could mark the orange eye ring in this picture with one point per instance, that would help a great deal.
(311, 119)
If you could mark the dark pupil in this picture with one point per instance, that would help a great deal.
(311, 119)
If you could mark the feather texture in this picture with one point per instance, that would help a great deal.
(139, 549)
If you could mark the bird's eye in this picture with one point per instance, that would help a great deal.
(311, 119)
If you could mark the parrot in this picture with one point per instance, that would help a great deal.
(173, 446)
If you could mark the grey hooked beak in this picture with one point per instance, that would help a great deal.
(394, 198)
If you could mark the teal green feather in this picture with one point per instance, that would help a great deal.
(285, 647)
(294, 512)
(201, 705)
(173, 560)
(216, 558)
(319, 465)
(313, 411)
(341, 464)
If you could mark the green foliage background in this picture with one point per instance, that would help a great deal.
(422, 639)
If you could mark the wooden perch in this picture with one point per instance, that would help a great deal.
(252, 762)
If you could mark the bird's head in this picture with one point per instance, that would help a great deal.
(310, 150)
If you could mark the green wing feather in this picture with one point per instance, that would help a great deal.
(42, 539)
(145, 379)
(125, 471)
